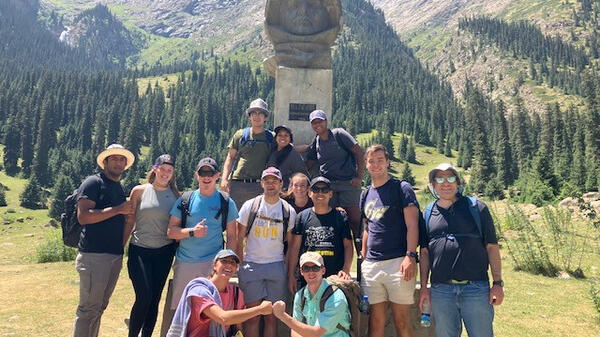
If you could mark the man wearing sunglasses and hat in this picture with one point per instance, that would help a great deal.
(250, 148)
(101, 211)
(458, 244)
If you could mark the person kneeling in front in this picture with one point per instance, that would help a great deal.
(209, 306)
(308, 320)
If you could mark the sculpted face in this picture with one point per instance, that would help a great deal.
(304, 17)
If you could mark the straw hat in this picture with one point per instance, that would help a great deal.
(112, 150)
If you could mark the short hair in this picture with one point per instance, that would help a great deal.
(377, 147)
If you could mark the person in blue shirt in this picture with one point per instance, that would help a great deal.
(201, 237)
(307, 320)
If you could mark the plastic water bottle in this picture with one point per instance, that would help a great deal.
(363, 306)
(426, 315)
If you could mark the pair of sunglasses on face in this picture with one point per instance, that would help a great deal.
(440, 180)
(324, 189)
(203, 173)
(313, 268)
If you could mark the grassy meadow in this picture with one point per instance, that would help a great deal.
(41, 299)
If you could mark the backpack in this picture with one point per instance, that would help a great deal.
(286, 217)
(246, 137)
(223, 212)
(473, 209)
(336, 137)
(359, 321)
(71, 228)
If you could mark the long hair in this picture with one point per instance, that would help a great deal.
(151, 176)
(289, 194)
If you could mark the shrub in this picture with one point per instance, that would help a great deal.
(595, 294)
(524, 244)
(52, 249)
(2, 198)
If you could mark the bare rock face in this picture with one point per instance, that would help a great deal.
(568, 203)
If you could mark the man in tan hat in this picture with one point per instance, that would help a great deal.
(308, 319)
(101, 211)
(250, 147)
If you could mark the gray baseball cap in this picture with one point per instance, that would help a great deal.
(317, 114)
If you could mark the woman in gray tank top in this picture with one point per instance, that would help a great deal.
(150, 250)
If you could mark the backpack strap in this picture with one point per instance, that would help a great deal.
(245, 136)
(474, 209)
(428, 215)
(326, 295)
(269, 139)
(184, 207)
(224, 210)
(363, 200)
(253, 211)
(285, 211)
(303, 303)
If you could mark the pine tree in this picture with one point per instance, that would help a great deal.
(2, 197)
(482, 170)
(31, 197)
(407, 174)
(403, 147)
(62, 189)
(411, 157)
(43, 144)
(27, 145)
(448, 148)
(502, 151)
(11, 146)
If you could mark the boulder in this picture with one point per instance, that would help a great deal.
(591, 196)
(20, 219)
(6, 222)
(568, 203)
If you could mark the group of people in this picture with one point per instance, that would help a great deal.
(282, 233)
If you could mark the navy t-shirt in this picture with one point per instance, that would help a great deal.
(336, 162)
(324, 234)
(383, 210)
(458, 257)
(104, 236)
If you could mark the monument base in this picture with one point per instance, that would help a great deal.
(299, 91)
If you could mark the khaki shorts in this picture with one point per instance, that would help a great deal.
(344, 194)
(183, 273)
(383, 282)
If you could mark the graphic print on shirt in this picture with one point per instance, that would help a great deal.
(374, 213)
(319, 237)
(266, 227)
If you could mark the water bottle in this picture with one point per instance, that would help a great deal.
(426, 315)
(363, 306)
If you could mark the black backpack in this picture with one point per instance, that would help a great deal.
(71, 228)
(184, 207)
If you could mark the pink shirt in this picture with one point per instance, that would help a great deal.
(199, 323)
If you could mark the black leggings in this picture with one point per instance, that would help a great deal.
(148, 271)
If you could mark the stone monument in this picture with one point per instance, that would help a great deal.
(302, 33)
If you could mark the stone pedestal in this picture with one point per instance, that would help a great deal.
(299, 91)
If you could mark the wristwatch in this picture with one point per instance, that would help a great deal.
(191, 233)
(498, 283)
(413, 254)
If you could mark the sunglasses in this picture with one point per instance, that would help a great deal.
(313, 268)
(203, 173)
(228, 261)
(440, 180)
(320, 189)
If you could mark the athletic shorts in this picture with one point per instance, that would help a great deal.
(344, 194)
(382, 281)
(263, 281)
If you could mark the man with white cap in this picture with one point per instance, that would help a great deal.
(341, 160)
(101, 211)
(308, 318)
(265, 223)
(458, 244)
(251, 148)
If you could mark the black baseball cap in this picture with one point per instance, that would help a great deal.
(320, 179)
(164, 159)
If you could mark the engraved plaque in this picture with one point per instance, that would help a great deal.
(300, 112)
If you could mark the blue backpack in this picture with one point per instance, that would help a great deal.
(473, 209)
(246, 138)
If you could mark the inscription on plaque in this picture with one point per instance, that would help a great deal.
(300, 112)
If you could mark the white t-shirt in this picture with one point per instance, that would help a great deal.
(264, 243)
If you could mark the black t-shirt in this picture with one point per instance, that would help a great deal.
(325, 235)
(458, 257)
(104, 236)
(383, 209)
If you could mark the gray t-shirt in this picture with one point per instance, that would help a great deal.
(336, 161)
(291, 164)
(152, 218)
